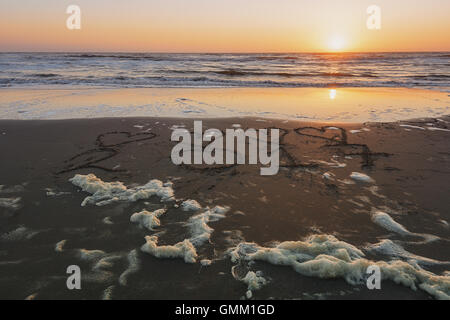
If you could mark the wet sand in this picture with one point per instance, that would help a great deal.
(348, 105)
(408, 162)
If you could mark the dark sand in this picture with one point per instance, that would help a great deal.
(411, 168)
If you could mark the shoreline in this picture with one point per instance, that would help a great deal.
(346, 105)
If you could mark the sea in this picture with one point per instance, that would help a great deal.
(136, 70)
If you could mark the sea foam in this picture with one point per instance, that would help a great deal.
(385, 221)
(104, 193)
(394, 250)
(198, 224)
(324, 256)
(19, 234)
(184, 249)
(254, 280)
(134, 265)
(10, 203)
(361, 177)
(148, 219)
(190, 205)
(59, 247)
(200, 233)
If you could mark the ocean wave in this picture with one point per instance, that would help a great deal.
(226, 70)
(45, 75)
(180, 82)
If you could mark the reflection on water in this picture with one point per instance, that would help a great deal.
(333, 94)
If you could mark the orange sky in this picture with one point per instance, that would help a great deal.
(224, 26)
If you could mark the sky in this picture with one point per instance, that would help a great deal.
(224, 26)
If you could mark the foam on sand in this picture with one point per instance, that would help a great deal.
(90, 255)
(19, 234)
(205, 262)
(59, 247)
(13, 189)
(438, 129)
(361, 177)
(107, 220)
(444, 223)
(106, 262)
(104, 193)
(53, 193)
(294, 251)
(200, 233)
(10, 203)
(32, 296)
(134, 265)
(254, 280)
(324, 256)
(392, 249)
(101, 263)
(148, 219)
(411, 127)
(385, 221)
(332, 164)
(329, 176)
(190, 205)
(184, 249)
(198, 224)
(107, 293)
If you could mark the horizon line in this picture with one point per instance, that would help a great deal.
(226, 52)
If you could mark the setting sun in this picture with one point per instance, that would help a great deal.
(336, 43)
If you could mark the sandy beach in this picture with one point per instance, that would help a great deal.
(377, 191)
(221, 159)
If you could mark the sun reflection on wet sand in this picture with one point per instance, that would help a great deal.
(333, 93)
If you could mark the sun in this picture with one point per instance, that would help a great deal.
(336, 43)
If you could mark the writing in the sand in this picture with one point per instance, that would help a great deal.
(233, 151)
